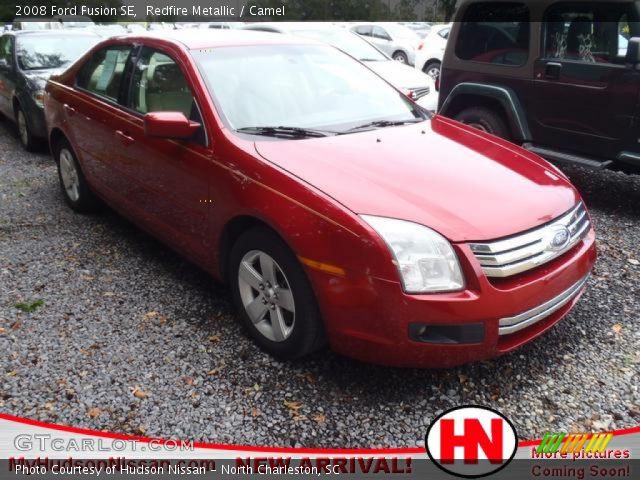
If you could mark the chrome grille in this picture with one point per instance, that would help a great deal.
(419, 92)
(513, 324)
(519, 253)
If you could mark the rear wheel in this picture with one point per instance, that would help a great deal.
(432, 69)
(484, 120)
(273, 295)
(75, 189)
(400, 57)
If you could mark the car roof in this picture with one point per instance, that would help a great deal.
(200, 39)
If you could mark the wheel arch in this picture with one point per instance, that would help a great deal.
(498, 98)
(55, 136)
(231, 231)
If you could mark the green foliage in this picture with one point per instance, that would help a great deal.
(30, 307)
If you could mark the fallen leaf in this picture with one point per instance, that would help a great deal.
(151, 314)
(293, 406)
(214, 338)
(2, 330)
(141, 430)
(319, 418)
(139, 393)
(12, 373)
(49, 406)
(213, 371)
(108, 294)
(188, 380)
(255, 412)
(617, 329)
(94, 412)
(16, 325)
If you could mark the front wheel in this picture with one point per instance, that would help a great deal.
(401, 57)
(75, 189)
(27, 139)
(273, 296)
(484, 120)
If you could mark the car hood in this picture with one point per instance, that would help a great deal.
(462, 183)
(399, 75)
(39, 78)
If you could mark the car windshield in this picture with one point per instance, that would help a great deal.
(303, 86)
(36, 52)
(348, 42)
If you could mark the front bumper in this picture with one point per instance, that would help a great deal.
(372, 320)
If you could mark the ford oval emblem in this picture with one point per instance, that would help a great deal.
(559, 238)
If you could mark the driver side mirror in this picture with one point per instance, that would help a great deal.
(632, 60)
(169, 125)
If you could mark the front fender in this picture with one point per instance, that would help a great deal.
(505, 96)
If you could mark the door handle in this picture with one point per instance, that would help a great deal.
(125, 139)
(552, 70)
(70, 110)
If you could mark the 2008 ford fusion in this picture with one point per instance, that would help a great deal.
(336, 209)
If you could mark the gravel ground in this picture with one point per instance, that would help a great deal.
(131, 338)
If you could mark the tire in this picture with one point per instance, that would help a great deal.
(298, 329)
(401, 57)
(432, 69)
(74, 186)
(485, 120)
(28, 141)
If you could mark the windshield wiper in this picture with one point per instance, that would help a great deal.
(385, 123)
(295, 132)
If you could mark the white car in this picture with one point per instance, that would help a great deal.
(417, 86)
(397, 41)
(431, 50)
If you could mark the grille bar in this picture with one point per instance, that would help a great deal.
(420, 92)
(510, 256)
(523, 320)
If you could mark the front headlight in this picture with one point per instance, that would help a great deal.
(38, 97)
(425, 259)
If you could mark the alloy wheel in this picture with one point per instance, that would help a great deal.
(69, 175)
(266, 296)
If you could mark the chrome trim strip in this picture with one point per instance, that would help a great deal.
(519, 253)
(523, 320)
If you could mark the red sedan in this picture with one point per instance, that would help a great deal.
(336, 209)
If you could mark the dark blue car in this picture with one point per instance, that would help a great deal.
(27, 60)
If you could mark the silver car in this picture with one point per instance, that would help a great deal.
(397, 41)
(416, 85)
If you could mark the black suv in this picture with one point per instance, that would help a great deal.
(561, 78)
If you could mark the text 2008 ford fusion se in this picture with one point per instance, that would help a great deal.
(335, 208)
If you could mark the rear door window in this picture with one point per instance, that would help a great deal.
(103, 73)
(495, 32)
(588, 32)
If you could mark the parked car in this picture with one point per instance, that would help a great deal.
(335, 209)
(431, 50)
(109, 30)
(36, 23)
(27, 59)
(417, 86)
(565, 87)
(75, 21)
(397, 41)
(421, 28)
